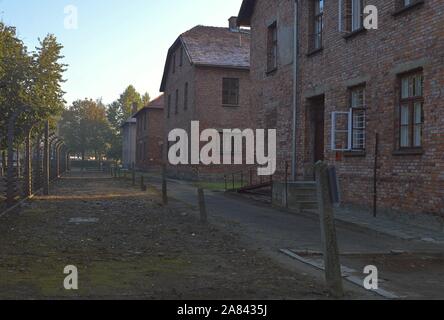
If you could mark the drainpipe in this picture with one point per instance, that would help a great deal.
(295, 88)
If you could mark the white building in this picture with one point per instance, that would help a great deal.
(129, 130)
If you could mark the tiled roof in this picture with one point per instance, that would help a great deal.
(245, 13)
(217, 47)
(214, 47)
(156, 104)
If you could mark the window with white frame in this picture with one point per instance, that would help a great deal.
(354, 15)
(349, 127)
(358, 115)
(341, 138)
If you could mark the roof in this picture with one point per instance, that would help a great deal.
(212, 47)
(156, 104)
(131, 120)
(246, 12)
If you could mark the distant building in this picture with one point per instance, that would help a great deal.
(129, 141)
(207, 79)
(150, 134)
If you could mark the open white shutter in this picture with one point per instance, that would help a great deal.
(341, 131)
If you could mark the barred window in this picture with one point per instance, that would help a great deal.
(169, 107)
(185, 97)
(230, 92)
(358, 109)
(316, 24)
(272, 47)
(177, 102)
(354, 15)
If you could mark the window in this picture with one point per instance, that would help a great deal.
(169, 107)
(411, 111)
(181, 57)
(348, 132)
(354, 15)
(317, 24)
(144, 121)
(185, 97)
(230, 92)
(174, 62)
(272, 47)
(407, 3)
(358, 116)
(177, 102)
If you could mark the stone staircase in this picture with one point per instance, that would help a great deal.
(302, 196)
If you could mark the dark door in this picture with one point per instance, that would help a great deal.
(319, 138)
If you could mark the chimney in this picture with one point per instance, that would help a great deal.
(232, 23)
(135, 108)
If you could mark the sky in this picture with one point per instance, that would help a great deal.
(115, 43)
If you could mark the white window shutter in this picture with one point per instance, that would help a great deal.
(347, 130)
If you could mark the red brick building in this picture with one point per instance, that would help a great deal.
(330, 87)
(206, 79)
(149, 136)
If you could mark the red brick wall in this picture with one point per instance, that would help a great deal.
(149, 139)
(413, 183)
(205, 105)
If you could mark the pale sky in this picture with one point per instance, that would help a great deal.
(117, 42)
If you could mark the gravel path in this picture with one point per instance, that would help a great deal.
(127, 246)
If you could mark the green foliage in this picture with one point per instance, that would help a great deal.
(29, 79)
(118, 112)
(146, 99)
(127, 99)
(86, 129)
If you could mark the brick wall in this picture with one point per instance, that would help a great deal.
(205, 105)
(150, 134)
(411, 40)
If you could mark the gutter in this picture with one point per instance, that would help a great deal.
(295, 88)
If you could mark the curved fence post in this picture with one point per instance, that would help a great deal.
(46, 160)
(11, 178)
(28, 166)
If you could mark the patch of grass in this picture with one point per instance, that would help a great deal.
(217, 186)
(43, 278)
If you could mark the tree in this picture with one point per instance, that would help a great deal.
(118, 112)
(86, 129)
(31, 80)
(127, 99)
(146, 99)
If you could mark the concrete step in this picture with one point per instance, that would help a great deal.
(303, 185)
(308, 205)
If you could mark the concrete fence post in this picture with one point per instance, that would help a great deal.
(46, 160)
(143, 187)
(28, 165)
(333, 272)
(11, 178)
(133, 174)
(202, 206)
(38, 164)
(164, 186)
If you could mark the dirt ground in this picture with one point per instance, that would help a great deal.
(127, 246)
